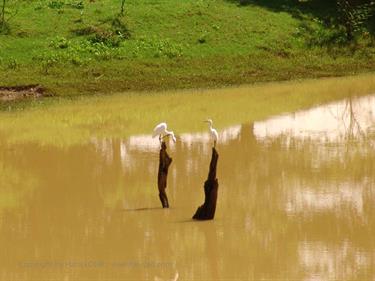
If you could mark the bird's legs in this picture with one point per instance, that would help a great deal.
(161, 138)
(165, 136)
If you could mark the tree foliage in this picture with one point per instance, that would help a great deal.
(353, 15)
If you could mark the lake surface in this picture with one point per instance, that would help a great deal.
(296, 202)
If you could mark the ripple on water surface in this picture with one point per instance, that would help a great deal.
(296, 202)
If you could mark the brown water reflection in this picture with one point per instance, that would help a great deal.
(296, 201)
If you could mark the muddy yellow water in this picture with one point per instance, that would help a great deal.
(296, 194)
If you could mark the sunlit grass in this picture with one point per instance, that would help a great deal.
(173, 44)
(65, 122)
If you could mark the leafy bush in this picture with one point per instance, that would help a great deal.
(86, 30)
(159, 47)
(56, 4)
(59, 43)
(353, 17)
(115, 30)
(9, 64)
(326, 36)
(13, 64)
(76, 53)
(111, 33)
(77, 5)
(120, 28)
(99, 50)
(59, 4)
(39, 5)
(50, 59)
(320, 33)
(106, 38)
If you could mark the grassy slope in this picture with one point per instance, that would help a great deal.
(240, 45)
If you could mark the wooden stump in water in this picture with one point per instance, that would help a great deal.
(207, 210)
(164, 162)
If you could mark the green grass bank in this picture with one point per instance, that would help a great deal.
(84, 47)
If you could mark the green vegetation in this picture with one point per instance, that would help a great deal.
(75, 47)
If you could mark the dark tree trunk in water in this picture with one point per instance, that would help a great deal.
(207, 210)
(164, 162)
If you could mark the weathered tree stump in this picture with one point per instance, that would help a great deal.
(164, 162)
(211, 185)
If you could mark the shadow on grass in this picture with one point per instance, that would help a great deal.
(325, 10)
(322, 9)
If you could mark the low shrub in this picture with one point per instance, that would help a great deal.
(56, 4)
(77, 5)
(59, 43)
(321, 34)
(12, 64)
(156, 47)
(110, 33)
(106, 38)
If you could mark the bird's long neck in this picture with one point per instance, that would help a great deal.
(210, 125)
(168, 132)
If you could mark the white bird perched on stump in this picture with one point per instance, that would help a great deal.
(213, 132)
(161, 131)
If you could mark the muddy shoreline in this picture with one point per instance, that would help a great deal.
(12, 93)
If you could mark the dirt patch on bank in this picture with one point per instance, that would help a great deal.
(22, 92)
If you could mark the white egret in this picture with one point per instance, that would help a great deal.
(161, 131)
(213, 132)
